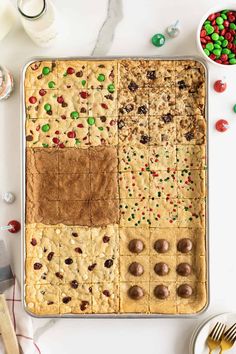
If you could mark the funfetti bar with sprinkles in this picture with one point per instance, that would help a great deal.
(115, 197)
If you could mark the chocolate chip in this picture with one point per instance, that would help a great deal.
(64, 104)
(184, 291)
(144, 139)
(44, 276)
(90, 290)
(84, 305)
(184, 269)
(181, 84)
(59, 275)
(50, 256)
(37, 266)
(103, 119)
(132, 86)
(29, 138)
(136, 269)
(83, 110)
(39, 77)
(189, 136)
(79, 73)
(184, 245)
(161, 269)
(50, 302)
(108, 263)
(45, 249)
(66, 299)
(167, 118)
(161, 246)
(136, 292)
(129, 107)
(109, 97)
(78, 250)
(106, 239)
(74, 284)
(121, 124)
(74, 234)
(106, 293)
(49, 113)
(161, 292)
(92, 266)
(68, 261)
(33, 242)
(142, 110)
(101, 66)
(151, 74)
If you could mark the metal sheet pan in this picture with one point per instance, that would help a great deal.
(23, 190)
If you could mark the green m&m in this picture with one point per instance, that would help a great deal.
(47, 107)
(234, 108)
(51, 84)
(91, 121)
(74, 115)
(158, 40)
(46, 70)
(111, 88)
(101, 77)
(45, 128)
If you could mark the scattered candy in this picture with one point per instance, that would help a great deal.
(15, 226)
(173, 30)
(222, 125)
(218, 37)
(220, 86)
(158, 40)
(8, 197)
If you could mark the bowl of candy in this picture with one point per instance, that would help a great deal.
(216, 36)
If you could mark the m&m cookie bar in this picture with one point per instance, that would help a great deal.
(115, 187)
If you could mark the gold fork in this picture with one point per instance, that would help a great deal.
(215, 337)
(228, 339)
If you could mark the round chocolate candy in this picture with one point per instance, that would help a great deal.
(184, 245)
(136, 269)
(161, 269)
(161, 292)
(136, 246)
(184, 291)
(136, 292)
(161, 246)
(184, 269)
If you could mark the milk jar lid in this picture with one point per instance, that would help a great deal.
(33, 17)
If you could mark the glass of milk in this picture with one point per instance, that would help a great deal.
(7, 17)
(40, 21)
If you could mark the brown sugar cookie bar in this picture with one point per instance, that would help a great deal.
(134, 268)
(41, 103)
(191, 157)
(75, 298)
(42, 299)
(133, 130)
(133, 158)
(105, 298)
(134, 212)
(102, 75)
(41, 74)
(134, 241)
(134, 184)
(134, 297)
(191, 183)
(164, 212)
(163, 297)
(72, 75)
(163, 130)
(191, 130)
(103, 131)
(163, 184)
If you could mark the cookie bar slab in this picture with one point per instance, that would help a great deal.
(72, 75)
(41, 74)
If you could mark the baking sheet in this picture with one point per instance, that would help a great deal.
(23, 189)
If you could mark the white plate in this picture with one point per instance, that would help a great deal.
(198, 341)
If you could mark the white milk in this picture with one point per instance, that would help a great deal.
(7, 17)
(43, 30)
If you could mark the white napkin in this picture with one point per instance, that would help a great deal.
(21, 321)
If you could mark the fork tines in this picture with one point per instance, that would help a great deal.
(230, 334)
(218, 331)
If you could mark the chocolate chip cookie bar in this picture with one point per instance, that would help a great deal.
(115, 195)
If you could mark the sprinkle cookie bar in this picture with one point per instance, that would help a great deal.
(115, 199)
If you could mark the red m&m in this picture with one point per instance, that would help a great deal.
(222, 125)
(220, 86)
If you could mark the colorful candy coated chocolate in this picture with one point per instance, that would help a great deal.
(222, 125)
(91, 121)
(15, 226)
(220, 86)
(158, 40)
(46, 70)
(74, 115)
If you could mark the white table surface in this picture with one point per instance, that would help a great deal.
(82, 21)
